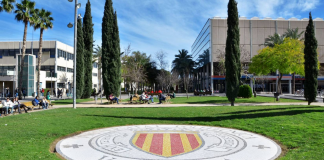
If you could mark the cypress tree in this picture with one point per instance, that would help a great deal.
(88, 49)
(80, 63)
(232, 55)
(311, 62)
(118, 54)
(110, 58)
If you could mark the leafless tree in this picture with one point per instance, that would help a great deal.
(127, 50)
(187, 81)
(262, 79)
(167, 79)
(161, 62)
(134, 68)
(245, 60)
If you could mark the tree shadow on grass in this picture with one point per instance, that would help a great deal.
(219, 118)
(227, 102)
(271, 109)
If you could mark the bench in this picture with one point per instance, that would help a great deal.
(134, 99)
(144, 101)
(202, 93)
(167, 100)
(30, 105)
(111, 102)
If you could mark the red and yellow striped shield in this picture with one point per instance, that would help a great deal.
(167, 144)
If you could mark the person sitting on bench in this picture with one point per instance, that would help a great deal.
(44, 103)
(143, 98)
(36, 102)
(8, 104)
(113, 98)
(1, 105)
(18, 106)
(149, 98)
(161, 98)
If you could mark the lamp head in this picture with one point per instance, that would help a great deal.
(79, 16)
(70, 25)
(78, 5)
(70, 0)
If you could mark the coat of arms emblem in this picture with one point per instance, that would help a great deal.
(167, 143)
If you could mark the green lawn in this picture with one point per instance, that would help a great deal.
(214, 99)
(300, 128)
(70, 101)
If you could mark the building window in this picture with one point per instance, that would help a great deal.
(4, 69)
(5, 52)
(60, 85)
(94, 74)
(61, 68)
(47, 68)
(94, 85)
(95, 65)
(52, 53)
(70, 70)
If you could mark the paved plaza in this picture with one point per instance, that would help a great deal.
(176, 142)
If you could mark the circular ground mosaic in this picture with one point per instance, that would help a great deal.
(174, 142)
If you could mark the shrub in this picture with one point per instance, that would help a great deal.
(245, 91)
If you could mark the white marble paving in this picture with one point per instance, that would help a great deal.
(216, 144)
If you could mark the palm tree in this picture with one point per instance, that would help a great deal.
(7, 5)
(24, 13)
(293, 34)
(182, 62)
(184, 65)
(203, 58)
(271, 41)
(97, 58)
(42, 20)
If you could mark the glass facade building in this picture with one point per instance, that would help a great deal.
(28, 77)
(202, 42)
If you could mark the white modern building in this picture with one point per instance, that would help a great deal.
(56, 69)
(211, 41)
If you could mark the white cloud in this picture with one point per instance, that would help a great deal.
(154, 25)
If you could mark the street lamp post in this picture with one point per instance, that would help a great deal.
(75, 47)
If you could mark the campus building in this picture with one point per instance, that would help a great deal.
(56, 69)
(211, 41)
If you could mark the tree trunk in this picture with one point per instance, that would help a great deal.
(232, 103)
(22, 62)
(99, 74)
(40, 52)
(293, 85)
(125, 85)
(187, 91)
(279, 84)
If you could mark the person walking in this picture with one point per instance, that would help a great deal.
(61, 93)
(48, 95)
(24, 93)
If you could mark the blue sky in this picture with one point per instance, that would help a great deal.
(154, 25)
